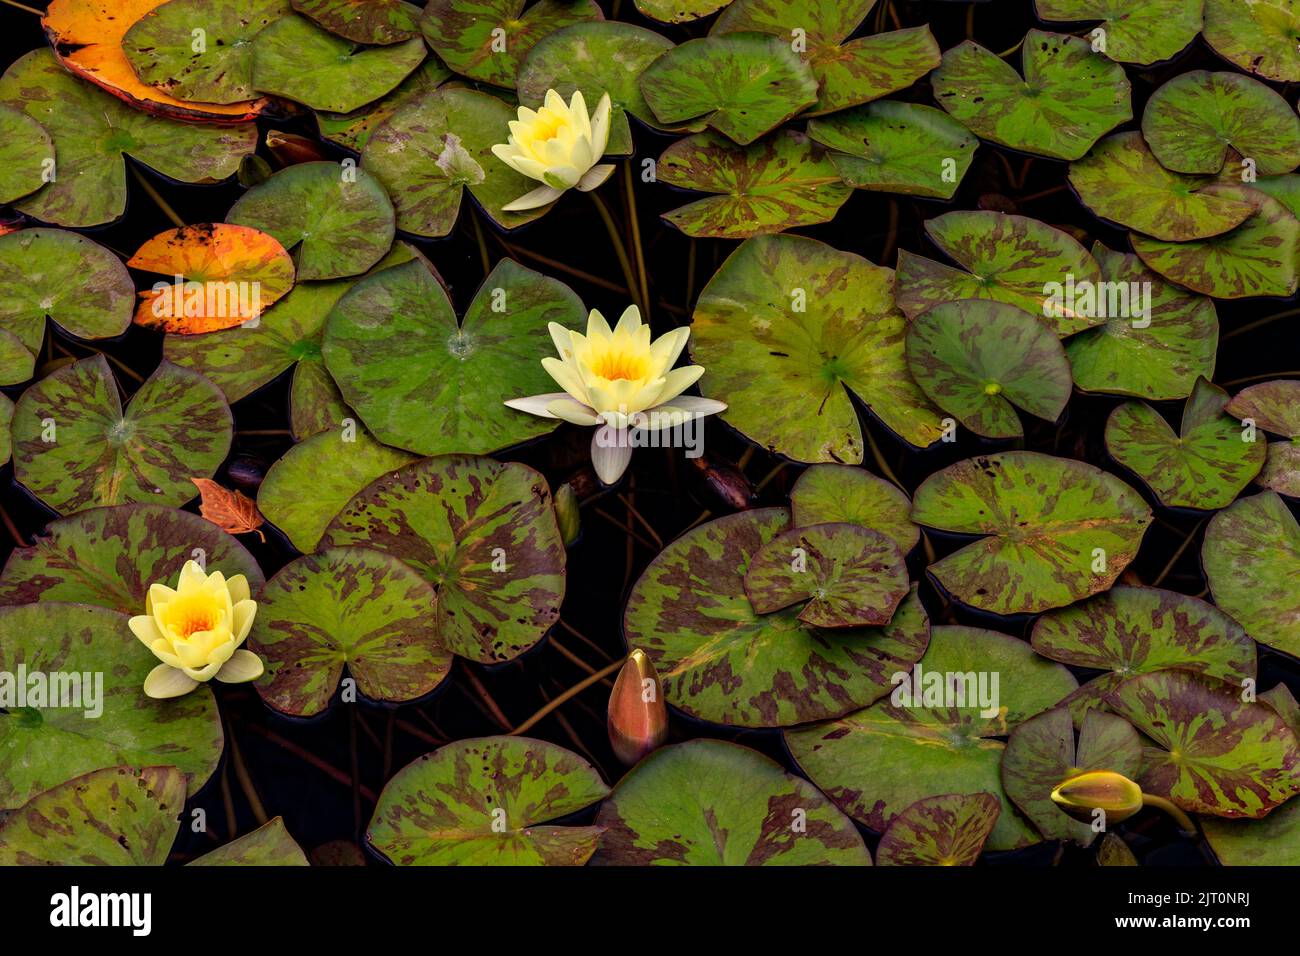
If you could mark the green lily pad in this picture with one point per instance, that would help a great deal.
(6, 421)
(75, 448)
(788, 328)
(1216, 753)
(298, 60)
(596, 57)
(1193, 121)
(304, 490)
(1129, 631)
(1157, 355)
(377, 22)
(977, 359)
(1069, 98)
(713, 803)
(16, 363)
(485, 802)
(423, 382)
(848, 575)
(1259, 257)
(346, 606)
(483, 533)
(337, 221)
(826, 493)
(110, 556)
(1041, 754)
(1274, 407)
(1057, 530)
(781, 182)
(1142, 33)
(1120, 180)
(948, 830)
(1206, 465)
(488, 40)
(26, 153)
(93, 132)
(1251, 557)
(1113, 851)
(877, 762)
(1259, 36)
(898, 148)
(268, 845)
(721, 660)
(161, 47)
(42, 746)
(678, 11)
(352, 130)
(741, 84)
(1011, 259)
(111, 817)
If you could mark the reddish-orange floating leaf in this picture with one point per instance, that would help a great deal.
(229, 510)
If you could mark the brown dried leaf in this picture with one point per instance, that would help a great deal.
(229, 510)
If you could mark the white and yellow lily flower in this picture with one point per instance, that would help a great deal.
(559, 146)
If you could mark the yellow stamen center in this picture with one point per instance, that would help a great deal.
(620, 365)
(191, 620)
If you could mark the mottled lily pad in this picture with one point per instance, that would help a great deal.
(16, 363)
(672, 807)
(877, 762)
(781, 182)
(977, 359)
(1251, 557)
(268, 845)
(787, 328)
(1057, 530)
(1258, 35)
(486, 802)
(1142, 33)
(947, 830)
(1011, 259)
(1217, 754)
(678, 11)
(1206, 465)
(898, 148)
(1274, 407)
(483, 533)
(377, 22)
(826, 493)
(721, 660)
(110, 556)
(348, 607)
(424, 382)
(352, 130)
(1069, 98)
(43, 746)
(75, 447)
(26, 154)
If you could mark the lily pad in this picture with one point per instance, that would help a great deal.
(1259, 257)
(1206, 465)
(26, 154)
(947, 830)
(75, 448)
(483, 533)
(111, 817)
(1259, 36)
(827, 493)
(92, 134)
(1057, 530)
(352, 130)
(781, 182)
(741, 84)
(1011, 259)
(423, 382)
(377, 22)
(788, 328)
(43, 746)
(1129, 631)
(268, 845)
(1156, 351)
(348, 607)
(1069, 98)
(672, 807)
(1041, 754)
(1217, 754)
(298, 60)
(110, 556)
(977, 359)
(486, 801)
(6, 421)
(1142, 33)
(678, 11)
(16, 363)
(721, 660)
(1274, 407)
(877, 762)
(1251, 557)
(898, 148)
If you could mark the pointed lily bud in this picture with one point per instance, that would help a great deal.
(291, 149)
(567, 514)
(638, 717)
(1104, 790)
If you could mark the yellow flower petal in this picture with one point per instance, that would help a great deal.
(242, 667)
(164, 682)
(244, 612)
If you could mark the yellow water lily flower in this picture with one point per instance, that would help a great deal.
(558, 145)
(195, 630)
(620, 380)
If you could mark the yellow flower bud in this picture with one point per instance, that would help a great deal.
(1104, 790)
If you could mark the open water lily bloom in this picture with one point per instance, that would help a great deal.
(558, 145)
(621, 381)
(195, 629)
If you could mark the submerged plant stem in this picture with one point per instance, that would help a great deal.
(573, 691)
(153, 194)
(1169, 566)
(637, 249)
(23, 6)
(620, 248)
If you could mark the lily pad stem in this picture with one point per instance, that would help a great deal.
(620, 248)
(153, 194)
(1183, 820)
(572, 692)
(23, 6)
(637, 249)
